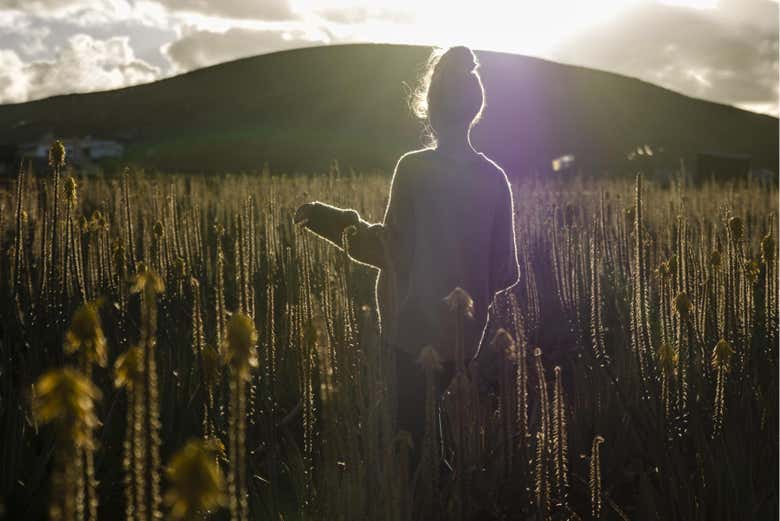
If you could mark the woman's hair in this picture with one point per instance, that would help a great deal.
(449, 93)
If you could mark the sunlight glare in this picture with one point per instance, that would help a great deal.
(696, 4)
(523, 26)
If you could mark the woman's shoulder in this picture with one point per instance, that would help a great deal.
(490, 163)
(416, 157)
(494, 169)
(412, 164)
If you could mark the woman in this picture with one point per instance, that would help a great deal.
(448, 224)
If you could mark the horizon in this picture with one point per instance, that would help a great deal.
(346, 44)
(723, 51)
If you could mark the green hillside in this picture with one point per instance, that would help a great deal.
(299, 109)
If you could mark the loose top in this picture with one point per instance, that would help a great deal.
(448, 223)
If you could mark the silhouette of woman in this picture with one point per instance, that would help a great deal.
(448, 223)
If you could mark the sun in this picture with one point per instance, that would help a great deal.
(521, 26)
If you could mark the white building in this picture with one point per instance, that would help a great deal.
(101, 148)
(77, 150)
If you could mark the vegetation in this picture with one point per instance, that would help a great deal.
(631, 374)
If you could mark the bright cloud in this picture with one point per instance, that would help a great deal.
(236, 9)
(203, 48)
(84, 64)
(729, 55)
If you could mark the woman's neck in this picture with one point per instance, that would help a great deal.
(455, 147)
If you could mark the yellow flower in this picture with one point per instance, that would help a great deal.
(721, 355)
(682, 305)
(504, 344)
(129, 367)
(57, 154)
(86, 334)
(736, 227)
(197, 485)
(148, 282)
(460, 302)
(66, 398)
(241, 340)
(71, 189)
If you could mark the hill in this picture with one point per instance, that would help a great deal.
(299, 109)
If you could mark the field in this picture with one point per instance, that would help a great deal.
(227, 360)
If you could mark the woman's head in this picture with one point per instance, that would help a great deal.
(450, 95)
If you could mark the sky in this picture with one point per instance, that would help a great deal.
(720, 50)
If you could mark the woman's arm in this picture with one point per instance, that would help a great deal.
(327, 221)
(388, 244)
(366, 242)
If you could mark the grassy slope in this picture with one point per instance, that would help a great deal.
(298, 109)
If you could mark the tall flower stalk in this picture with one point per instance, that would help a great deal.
(148, 284)
(721, 363)
(66, 399)
(595, 477)
(129, 374)
(86, 340)
(241, 341)
(461, 307)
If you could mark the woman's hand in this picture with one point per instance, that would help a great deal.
(303, 214)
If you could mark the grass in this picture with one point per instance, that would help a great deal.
(633, 373)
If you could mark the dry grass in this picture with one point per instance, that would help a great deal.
(630, 291)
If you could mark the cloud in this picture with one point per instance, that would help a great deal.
(83, 64)
(42, 5)
(729, 55)
(269, 10)
(200, 48)
(360, 13)
(19, 32)
(87, 13)
(13, 84)
(83, 12)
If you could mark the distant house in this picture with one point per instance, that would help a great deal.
(34, 151)
(644, 151)
(655, 161)
(98, 149)
(79, 151)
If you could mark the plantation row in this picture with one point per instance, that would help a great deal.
(175, 346)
